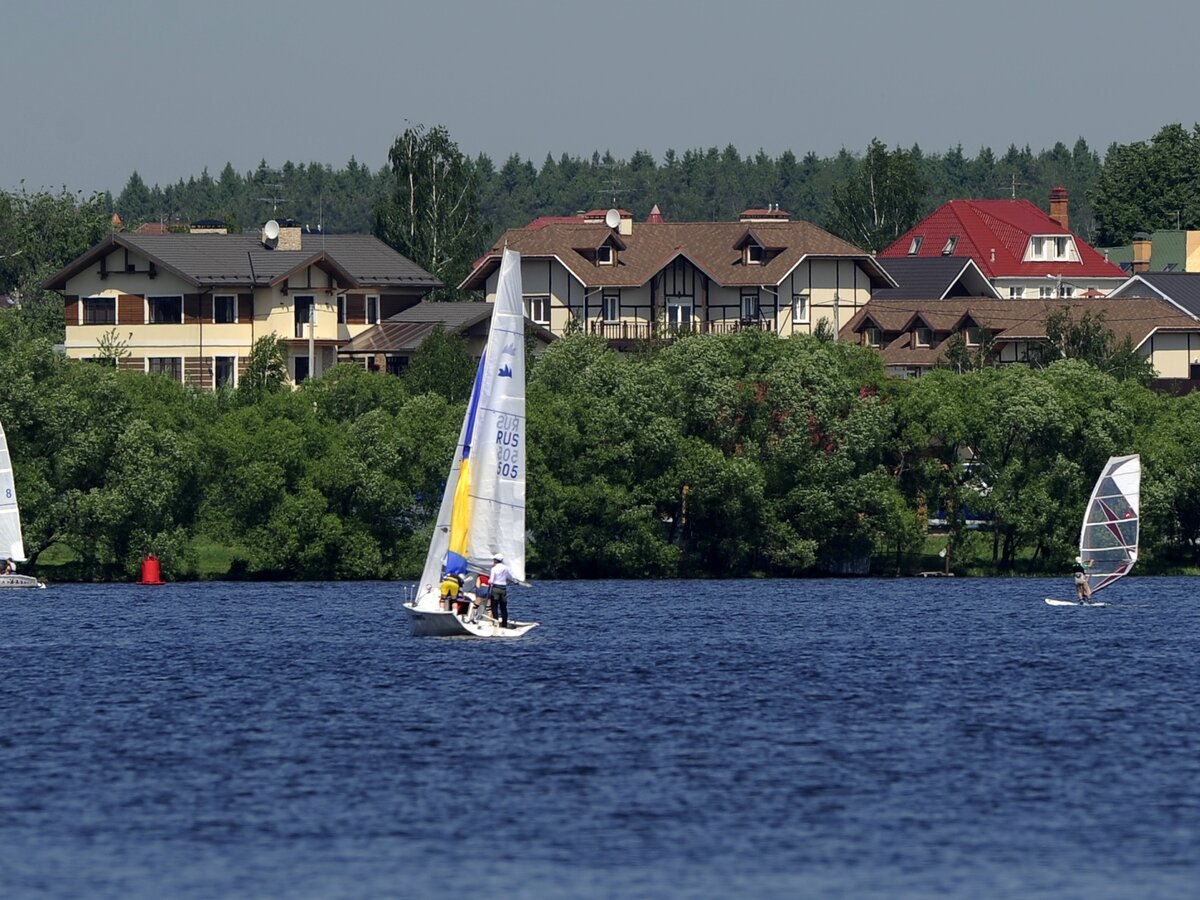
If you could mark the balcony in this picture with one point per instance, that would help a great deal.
(625, 334)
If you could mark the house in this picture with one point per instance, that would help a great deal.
(391, 345)
(913, 336)
(1166, 250)
(630, 282)
(191, 306)
(1024, 252)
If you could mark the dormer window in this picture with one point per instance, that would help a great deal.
(754, 254)
(914, 246)
(971, 336)
(1051, 248)
(871, 337)
(950, 244)
(923, 337)
(604, 255)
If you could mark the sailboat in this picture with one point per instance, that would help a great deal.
(11, 545)
(482, 513)
(1108, 539)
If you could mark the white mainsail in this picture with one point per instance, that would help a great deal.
(1109, 536)
(11, 544)
(482, 512)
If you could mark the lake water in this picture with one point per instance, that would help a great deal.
(850, 738)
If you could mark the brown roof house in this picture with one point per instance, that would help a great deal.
(914, 335)
(632, 281)
(190, 306)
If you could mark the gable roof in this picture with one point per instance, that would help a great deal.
(650, 246)
(921, 277)
(1004, 227)
(1007, 320)
(213, 260)
(1168, 251)
(1181, 289)
(404, 332)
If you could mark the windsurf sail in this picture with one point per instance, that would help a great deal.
(1109, 537)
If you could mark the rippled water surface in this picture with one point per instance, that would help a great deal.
(665, 739)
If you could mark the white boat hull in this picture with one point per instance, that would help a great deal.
(442, 623)
(1053, 602)
(19, 581)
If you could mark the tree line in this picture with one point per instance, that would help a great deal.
(729, 455)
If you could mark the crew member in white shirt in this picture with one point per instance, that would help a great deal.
(499, 579)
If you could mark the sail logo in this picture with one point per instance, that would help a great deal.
(510, 349)
(505, 371)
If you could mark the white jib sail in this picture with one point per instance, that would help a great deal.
(498, 455)
(11, 545)
(1109, 537)
(429, 590)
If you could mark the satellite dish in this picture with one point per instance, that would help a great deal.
(612, 218)
(271, 230)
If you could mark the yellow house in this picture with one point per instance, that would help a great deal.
(191, 306)
(631, 281)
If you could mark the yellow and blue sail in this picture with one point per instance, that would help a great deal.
(460, 514)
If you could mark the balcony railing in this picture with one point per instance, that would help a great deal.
(631, 331)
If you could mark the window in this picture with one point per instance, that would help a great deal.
(372, 309)
(224, 371)
(871, 337)
(1045, 293)
(971, 336)
(923, 337)
(679, 314)
(396, 365)
(1170, 267)
(304, 309)
(224, 308)
(1068, 290)
(915, 246)
(99, 310)
(799, 307)
(171, 366)
(1061, 245)
(612, 307)
(538, 307)
(1016, 293)
(342, 309)
(604, 255)
(165, 310)
(300, 369)
(1051, 247)
(749, 306)
(754, 254)
(950, 245)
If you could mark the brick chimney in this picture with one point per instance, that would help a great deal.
(1058, 207)
(1141, 252)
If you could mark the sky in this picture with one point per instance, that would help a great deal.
(92, 92)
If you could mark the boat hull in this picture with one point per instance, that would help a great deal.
(19, 581)
(441, 623)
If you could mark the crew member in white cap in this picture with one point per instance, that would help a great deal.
(499, 578)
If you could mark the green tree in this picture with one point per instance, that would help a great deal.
(266, 367)
(432, 212)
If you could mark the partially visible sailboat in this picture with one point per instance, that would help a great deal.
(482, 514)
(1108, 539)
(12, 546)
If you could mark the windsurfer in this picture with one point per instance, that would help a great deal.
(1079, 572)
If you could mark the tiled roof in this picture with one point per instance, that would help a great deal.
(1180, 288)
(981, 227)
(404, 331)
(1006, 319)
(711, 246)
(207, 260)
(920, 277)
(1168, 251)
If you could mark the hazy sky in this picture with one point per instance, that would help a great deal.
(94, 91)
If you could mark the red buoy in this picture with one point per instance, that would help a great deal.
(150, 571)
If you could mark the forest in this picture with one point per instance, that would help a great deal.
(710, 456)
